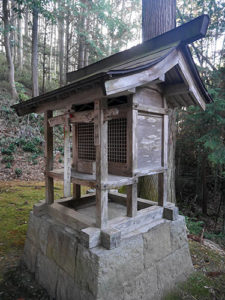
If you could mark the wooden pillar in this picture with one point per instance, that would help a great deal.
(48, 133)
(162, 178)
(132, 158)
(67, 159)
(132, 200)
(76, 187)
(101, 143)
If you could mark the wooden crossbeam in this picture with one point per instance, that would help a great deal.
(83, 116)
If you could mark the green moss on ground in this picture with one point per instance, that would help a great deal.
(16, 202)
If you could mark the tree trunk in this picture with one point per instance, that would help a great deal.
(44, 59)
(171, 176)
(86, 54)
(12, 31)
(61, 45)
(51, 53)
(26, 19)
(34, 61)
(20, 43)
(67, 41)
(81, 51)
(8, 49)
(158, 17)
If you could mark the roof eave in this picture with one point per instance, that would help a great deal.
(201, 87)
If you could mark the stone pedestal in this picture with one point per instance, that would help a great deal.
(144, 266)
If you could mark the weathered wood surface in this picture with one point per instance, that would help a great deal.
(162, 189)
(70, 217)
(144, 217)
(132, 200)
(150, 109)
(162, 178)
(84, 116)
(149, 135)
(149, 97)
(147, 172)
(122, 198)
(145, 77)
(76, 187)
(49, 183)
(190, 82)
(112, 182)
(81, 97)
(67, 160)
(78, 178)
(101, 143)
(132, 158)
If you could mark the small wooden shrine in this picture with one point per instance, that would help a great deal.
(115, 118)
(117, 111)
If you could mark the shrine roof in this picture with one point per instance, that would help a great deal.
(128, 62)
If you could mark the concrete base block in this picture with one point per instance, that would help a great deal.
(142, 266)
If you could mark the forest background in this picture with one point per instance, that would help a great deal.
(40, 41)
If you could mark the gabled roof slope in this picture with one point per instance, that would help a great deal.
(128, 62)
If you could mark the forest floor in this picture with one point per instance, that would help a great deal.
(16, 201)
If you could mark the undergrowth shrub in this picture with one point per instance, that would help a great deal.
(8, 151)
(18, 172)
(22, 93)
(8, 165)
(8, 159)
(33, 146)
(194, 226)
(4, 67)
(33, 158)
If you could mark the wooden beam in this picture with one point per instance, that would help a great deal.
(124, 93)
(66, 101)
(150, 109)
(70, 217)
(162, 189)
(83, 116)
(142, 78)
(132, 200)
(186, 74)
(67, 159)
(76, 187)
(162, 177)
(81, 180)
(49, 183)
(132, 153)
(58, 120)
(101, 143)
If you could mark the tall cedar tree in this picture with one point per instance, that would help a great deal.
(9, 58)
(158, 17)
